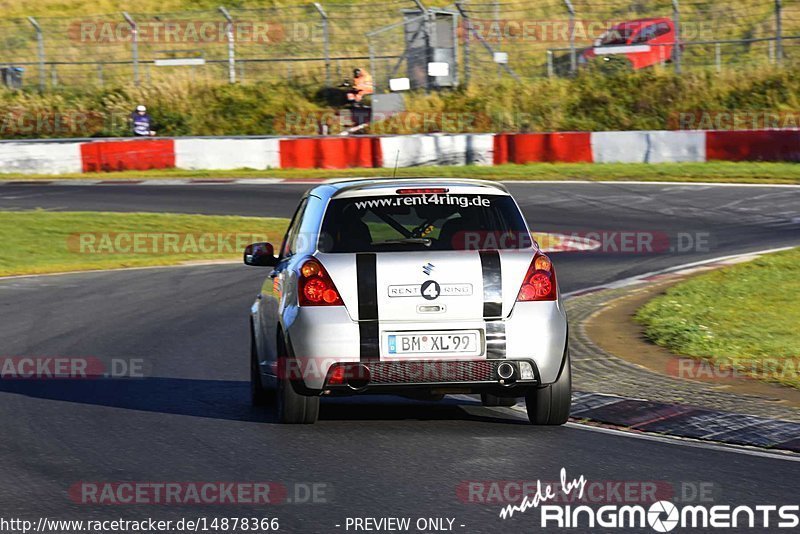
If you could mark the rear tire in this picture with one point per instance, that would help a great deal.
(293, 408)
(487, 399)
(550, 405)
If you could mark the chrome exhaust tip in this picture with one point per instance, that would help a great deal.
(359, 377)
(506, 371)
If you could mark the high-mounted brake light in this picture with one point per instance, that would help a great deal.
(423, 191)
(316, 287)
(540, 281)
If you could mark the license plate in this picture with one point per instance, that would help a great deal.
(463, 343)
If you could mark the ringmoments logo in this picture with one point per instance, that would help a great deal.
(660, 516)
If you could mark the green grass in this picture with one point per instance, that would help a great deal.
(37, 242)
(722, 172)
(645, 100)
(181, 107)
(743, 316)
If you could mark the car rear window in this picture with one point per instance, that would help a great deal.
(399, 223)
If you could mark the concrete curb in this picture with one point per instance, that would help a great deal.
(687, 421)
(616, 392)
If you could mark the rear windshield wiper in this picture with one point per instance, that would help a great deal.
(408, 241)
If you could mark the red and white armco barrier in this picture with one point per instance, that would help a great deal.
(221, 154)
(203, 153)
(40, 157)
(421, 150)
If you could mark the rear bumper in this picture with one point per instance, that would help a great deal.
(322, 338)
(371, 376)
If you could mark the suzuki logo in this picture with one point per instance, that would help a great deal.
(428, 269)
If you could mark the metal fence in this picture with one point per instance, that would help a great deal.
(550, 37)
(320, 43)
(314, 42)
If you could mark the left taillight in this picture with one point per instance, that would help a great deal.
(316, 287)
(540, 281)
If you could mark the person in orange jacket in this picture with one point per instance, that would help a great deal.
(362, 86)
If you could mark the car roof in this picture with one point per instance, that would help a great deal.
(636, 24)
(331, 189)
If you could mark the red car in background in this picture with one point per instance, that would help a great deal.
(644, 42)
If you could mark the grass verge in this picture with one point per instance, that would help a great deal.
(37, 242)
(743, 317)
(717, 172)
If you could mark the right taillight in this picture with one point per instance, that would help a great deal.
(540, 281)
(316, 287)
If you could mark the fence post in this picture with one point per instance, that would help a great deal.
(483, 42)
(718, 57)
(779, 31)
(465, 26)
(550, 69)
(326, 42)
(676, 20)
(496, 16)
(135, 46)
(373, 68)
(427, 23)
(231, 45)
(40, 54)
(573, 56)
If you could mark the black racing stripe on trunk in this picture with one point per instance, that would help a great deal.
(367, 280)
(492, 284)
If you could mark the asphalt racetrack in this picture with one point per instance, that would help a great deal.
(190, 419)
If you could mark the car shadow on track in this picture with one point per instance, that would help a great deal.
(230, 400)
(388, 408)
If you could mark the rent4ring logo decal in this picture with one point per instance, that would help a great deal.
(431, 290)
(660, 516)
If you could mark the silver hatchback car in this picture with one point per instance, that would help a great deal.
(415, 287)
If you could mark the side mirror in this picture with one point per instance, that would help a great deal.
(260, 255)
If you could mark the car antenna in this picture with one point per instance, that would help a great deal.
(396, 162)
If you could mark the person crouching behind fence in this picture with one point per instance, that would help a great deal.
(362, 86)
(141, 123)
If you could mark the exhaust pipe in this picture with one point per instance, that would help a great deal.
(506, 371)
(358, 377)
